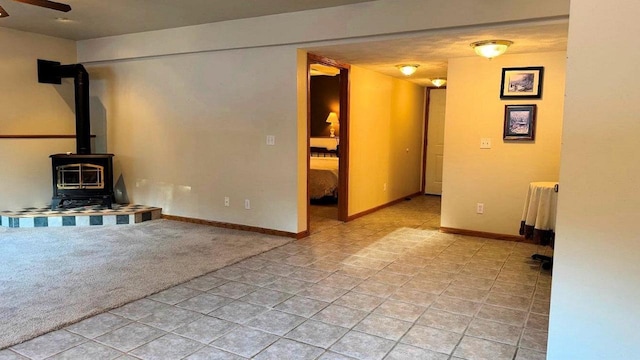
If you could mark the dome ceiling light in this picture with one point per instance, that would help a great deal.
(438, 82)
(491, 48)
(408, 69)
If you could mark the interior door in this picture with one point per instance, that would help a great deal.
(435, 141)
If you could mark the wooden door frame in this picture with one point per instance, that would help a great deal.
(423, 187)
(343, 149)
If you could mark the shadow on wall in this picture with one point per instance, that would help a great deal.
(97, 113)
(98, 125)
(101, 80)
(67, 93)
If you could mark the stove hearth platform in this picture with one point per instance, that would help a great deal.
(95, 215)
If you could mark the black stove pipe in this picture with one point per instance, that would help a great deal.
(52, 72)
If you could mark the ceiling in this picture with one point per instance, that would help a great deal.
(431, 50)
(91, 19)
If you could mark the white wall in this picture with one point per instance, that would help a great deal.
(188, 130)
(30, 108)
(206, 117)
(235, 86)
(498, 177)
(595, 310)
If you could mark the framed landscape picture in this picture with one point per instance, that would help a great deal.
(522, 83)
(519, 122)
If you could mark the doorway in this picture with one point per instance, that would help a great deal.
(332, 148)
(434, 140)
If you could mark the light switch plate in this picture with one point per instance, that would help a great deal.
(271, 140)
(485, 143)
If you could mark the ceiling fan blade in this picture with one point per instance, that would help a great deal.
(47, 4)
(3, 12)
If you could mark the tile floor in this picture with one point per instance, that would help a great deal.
(378, 287)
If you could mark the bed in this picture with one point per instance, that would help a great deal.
(323, 177)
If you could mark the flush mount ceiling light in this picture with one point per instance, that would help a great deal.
(407, 69)
(438, 82)
(491, 48)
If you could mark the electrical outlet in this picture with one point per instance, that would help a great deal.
(226, 201)
(247, 204)
(485, 143)
(480, 208)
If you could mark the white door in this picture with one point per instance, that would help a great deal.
(435, 141)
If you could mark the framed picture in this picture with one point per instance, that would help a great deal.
(519, 83)
(519, 122)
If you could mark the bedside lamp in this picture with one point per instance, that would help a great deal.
(333, 120)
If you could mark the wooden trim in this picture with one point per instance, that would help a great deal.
(303, 234)
(482, 234)
(319, 59)
(39, 136)
(309, 62)
(343, 151)
(372, 210)
(235, 226)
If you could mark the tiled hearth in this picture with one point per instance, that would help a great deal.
(81, 216)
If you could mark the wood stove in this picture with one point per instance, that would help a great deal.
(82, 178)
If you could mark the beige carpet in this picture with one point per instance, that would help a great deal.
(55, 276)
